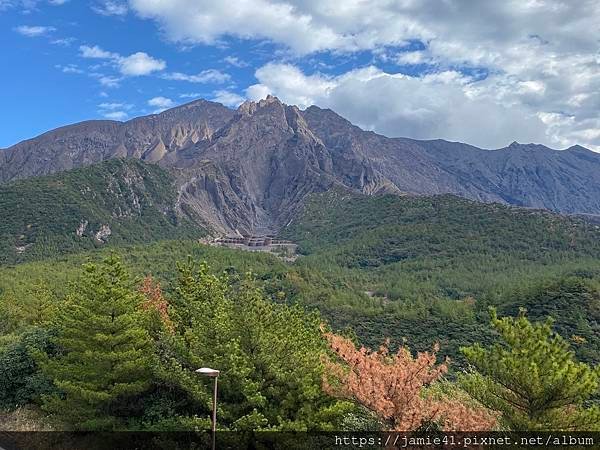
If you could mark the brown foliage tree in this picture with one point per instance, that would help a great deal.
(156, 302)
(393, 387)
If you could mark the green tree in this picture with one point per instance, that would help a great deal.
(532, 378)
(21, 381)
(268, 355)
(105, 352)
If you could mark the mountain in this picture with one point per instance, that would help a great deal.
(251, 169)
(116, 201)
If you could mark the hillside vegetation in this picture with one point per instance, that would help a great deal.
(420, 269)
(428, 268)
(114, 202)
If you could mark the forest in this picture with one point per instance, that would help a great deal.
(493, 310)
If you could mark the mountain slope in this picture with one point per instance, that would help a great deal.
(528, 175)
(114, 202)
(251, 169)
(429, 267)
(148, 138)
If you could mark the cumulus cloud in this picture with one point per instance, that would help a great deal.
(140, 63)
(539, 58)
(161, 103)
(137, 64)
(34, 31)
(206, 76)
(228, 98)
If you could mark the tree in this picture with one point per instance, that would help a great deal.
(21, 381)
(393, 386)
(532, 378)
(157, 306)
(105, 352)
(268, 355)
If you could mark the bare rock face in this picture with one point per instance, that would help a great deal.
(147, 138)
(103, 233)
(250, 170)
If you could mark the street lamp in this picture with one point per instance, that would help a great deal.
(212, 373)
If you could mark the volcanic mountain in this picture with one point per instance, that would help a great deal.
(251, 169)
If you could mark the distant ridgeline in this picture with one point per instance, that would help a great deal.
(113, 202)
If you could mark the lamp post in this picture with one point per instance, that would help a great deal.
(212, 373)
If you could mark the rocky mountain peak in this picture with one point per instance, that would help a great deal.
(252, 168)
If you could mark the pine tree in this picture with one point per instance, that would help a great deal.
(268, 355)
(105, 351)
(532, 378)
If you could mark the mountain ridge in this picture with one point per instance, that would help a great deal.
(251, 169)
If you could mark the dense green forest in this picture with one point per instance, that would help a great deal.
(417, 270)
(64, 212)
(433, 265)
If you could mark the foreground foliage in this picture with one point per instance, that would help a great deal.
(104, 351)
(532, 378)
(121, 355)
(393, 386)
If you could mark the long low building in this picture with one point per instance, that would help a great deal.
(259, 243)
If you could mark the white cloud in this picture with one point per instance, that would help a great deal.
(412, 58)
(65, 42)
(540, 56)
(114, 110)
(69, 68)
(27, 6)
(97, 52)
(161, 103)
(206, 76)
(115, 115)
(191, 95)
(110, 8)
(235, 61)
(34, 31)
(106, 80)
(140, 63)
(114, 106)
(137, 64)
(228, 98)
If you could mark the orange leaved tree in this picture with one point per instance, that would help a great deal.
(155, 302)
(393, 387)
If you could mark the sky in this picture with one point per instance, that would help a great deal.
(482, 72)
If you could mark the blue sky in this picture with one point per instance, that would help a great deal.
(481, 73)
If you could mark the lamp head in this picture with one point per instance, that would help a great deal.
(208, 372)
